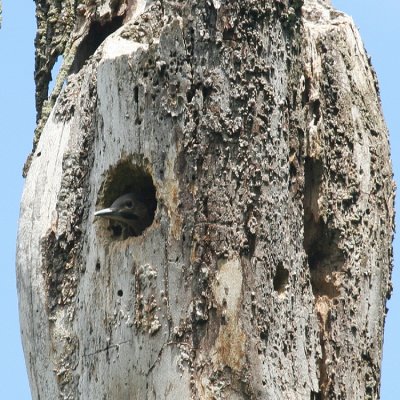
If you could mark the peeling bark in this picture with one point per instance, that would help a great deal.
(254, 128)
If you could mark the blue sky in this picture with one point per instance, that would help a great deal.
(379, 24)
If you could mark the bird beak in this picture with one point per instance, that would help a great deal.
(105, 212)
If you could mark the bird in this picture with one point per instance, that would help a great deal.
(128, 214)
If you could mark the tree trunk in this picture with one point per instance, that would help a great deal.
(253, 130)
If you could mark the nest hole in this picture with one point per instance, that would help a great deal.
(321, 242)
(129, 192)
(98, 32)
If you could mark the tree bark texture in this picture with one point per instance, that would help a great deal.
(256, 128)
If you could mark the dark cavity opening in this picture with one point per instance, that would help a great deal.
(281, 278)
(129, 192)
(315, 395)
(98, 31)
(325, 258)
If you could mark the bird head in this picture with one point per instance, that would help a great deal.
(127, 209)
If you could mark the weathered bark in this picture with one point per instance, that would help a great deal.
(266, 269)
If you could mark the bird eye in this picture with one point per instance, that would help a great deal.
(129, 204)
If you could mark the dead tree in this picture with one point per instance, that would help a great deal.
(253, 133)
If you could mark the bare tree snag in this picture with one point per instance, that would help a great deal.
(253, 131)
